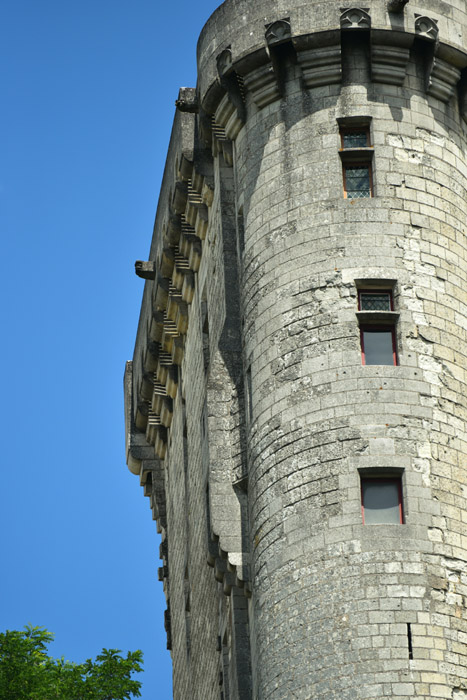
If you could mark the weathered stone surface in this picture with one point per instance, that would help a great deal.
(250, 417)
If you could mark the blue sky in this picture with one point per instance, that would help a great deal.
(88, 91)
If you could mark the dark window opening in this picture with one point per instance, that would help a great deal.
(357, 181)
(409, 641)
(375, 301)
(377, 327)
(355, 138)
(382, 500)
(378, 345)
(249, 389)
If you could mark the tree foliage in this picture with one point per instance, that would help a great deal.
(27, 672)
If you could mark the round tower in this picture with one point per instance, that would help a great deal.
(346, 130)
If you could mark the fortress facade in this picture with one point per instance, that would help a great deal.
(296, 406)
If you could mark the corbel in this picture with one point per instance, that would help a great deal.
(178, 349)
(442, 73)
(397, 5)
(151, 357)
(137, 449)
(162, 293)
(390, 53)
(197, 181)
(148, 472)
(181, 318)
(158, 394)
(259, 78)
(187, 100)
(185, 167)
(173, 309)
(169, 332)
(426, 30)
(319, 57)
(443, 79)
(156, 325)
(163, 573)
(226, 116)
(164, 361)
(147, 487)
(179, 197)
(159, 391)
(194, 205)
(160, 442)
(185, 243)
(202, 221)
(168, 627)
(194, 255)
(188, 287)
(230, 113)
(142, 413)
(146, 386)
(166, 262)
(278, 37)
(152, 426)
(181, 267)
(166, 411)
(146, 269)
(172, 381)
(171, 230)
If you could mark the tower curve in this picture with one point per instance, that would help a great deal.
(297, 403)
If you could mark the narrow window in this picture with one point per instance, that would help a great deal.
(378, 340)
(382, 500)
(409, 641)
(249, 395)
(357, 181)
(375, 301)
(378, 345)
(355, 138)
(356, 154)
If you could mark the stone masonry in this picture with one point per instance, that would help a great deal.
(255, 419)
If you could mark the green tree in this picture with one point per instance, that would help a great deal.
(27, 672)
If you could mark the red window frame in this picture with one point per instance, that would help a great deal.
(383, 480)
(377, 327)
(375, 291)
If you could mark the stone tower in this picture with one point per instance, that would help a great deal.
(296, 407)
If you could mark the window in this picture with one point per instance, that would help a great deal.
(377, 327)
(356, 154)
(378, 345)
(382, 500)
(375, 301)
(357, 181)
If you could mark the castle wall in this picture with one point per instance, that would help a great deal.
(277, 586)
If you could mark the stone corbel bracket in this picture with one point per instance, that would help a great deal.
(230, 568)
(228, 506)
(173, 277)
(444, 64)
(390, 53)
(231, 113)
(319, 56)
(136, 447)
(397, 5)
